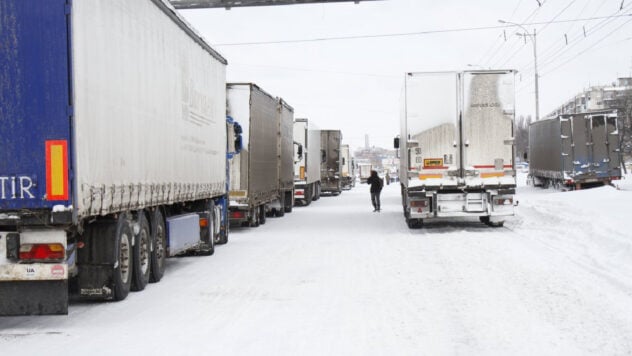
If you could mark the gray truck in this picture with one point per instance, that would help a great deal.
(307, 159)
(575, 150)
(331, 162)
(260, 182)
(456, 146)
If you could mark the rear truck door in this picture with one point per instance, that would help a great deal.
(35, 106)
(487, 128)
(613, 142)
(432, 126)
(35, 148)
(599, 145)
(582, 160)
(566, 134)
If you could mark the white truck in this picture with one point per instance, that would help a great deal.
(365, 171)
(307, 159)
(114, 149)
(456, 146)
(348, 171)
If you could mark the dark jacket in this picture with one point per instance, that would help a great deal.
(376, 184)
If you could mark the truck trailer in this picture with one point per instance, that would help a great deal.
(307, 158)
(285, 146)
(348, 171)
(365, 171)
(456, 146)
(113, 136)
(331, 162)
(266, 158)
(575, 150)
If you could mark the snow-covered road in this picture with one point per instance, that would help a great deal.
(335, 278)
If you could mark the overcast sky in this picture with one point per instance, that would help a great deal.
(354, 85)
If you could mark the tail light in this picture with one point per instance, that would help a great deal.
(418, 203)
(42, 252)
(237, 214)
(503, 201)
(299, 192)
(203, 222)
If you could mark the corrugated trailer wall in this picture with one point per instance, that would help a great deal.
(254, 173)
(129, 85)
(286, 143)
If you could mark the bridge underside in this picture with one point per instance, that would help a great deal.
(203, 4)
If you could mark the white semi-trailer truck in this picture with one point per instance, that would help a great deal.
(456, 146)
(307, 159)
(114, 148)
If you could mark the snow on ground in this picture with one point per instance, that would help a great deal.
(336, 278)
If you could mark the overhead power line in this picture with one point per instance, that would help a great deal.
(404, 34)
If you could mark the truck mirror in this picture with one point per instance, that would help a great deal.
(299, 151)
(396, 142)
(237, 128)
(238, 144)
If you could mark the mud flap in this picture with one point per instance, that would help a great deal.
(95, 282)
(34, 297)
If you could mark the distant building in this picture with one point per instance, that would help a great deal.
(597, 98)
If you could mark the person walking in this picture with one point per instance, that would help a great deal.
(376, 188)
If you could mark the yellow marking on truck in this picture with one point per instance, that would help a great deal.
(237, 193)
(430, 176)
(302, 172)
(492, 174)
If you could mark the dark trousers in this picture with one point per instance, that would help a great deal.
(375, 200)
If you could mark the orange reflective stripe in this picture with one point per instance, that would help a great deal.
(56, 170)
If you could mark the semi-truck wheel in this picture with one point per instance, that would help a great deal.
(254, 217)
(288, 201)
(414, 223)
(159, 246)
(141, 254)
(308, 194)
(317, 193)
(224, 223)
(123, 267)
(262, 214)
(487, 221)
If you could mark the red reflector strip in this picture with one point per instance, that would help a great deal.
(42, 252)
(57, 170)
(299, 192)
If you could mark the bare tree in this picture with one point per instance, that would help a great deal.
(522, 135)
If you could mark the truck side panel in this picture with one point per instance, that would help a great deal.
(313, 154)
(286, 145)
(34, 105)
(149, 107)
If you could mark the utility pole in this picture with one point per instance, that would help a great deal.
(532, 37)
